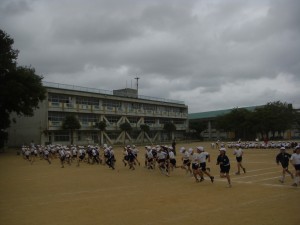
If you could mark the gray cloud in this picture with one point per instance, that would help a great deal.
(200, 52)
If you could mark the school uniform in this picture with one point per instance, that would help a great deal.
(295, 158)
(283, 158)
(238, 154)
(224, 163)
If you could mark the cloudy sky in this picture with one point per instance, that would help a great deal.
(211, 54)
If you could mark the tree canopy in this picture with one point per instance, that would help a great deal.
(71, 123)
(125, 127)
(270, 118)
(21, 89)
(169, 128)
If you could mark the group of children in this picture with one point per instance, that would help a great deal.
(164, 157)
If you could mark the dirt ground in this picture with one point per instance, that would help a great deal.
(46, 194)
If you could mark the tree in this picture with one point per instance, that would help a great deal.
(145, 129)
(274, 117)
(21, 89)
(237, 121)
(198, 127)
(125, 127)
(102, 127)
(170, 128)
(71, 123)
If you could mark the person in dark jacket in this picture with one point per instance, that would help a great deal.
(224, 163)
(283, 158)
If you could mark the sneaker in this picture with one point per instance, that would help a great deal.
(281, 181)
(244, 169)
(212, 179)
(229, 186)
(237, 173)
(294, 185)
(202, 179)
(208, 169)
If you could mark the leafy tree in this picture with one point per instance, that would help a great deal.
(169, 128)
(126, 127)
(21, 89)
(102, 127)
(274, 117)
(145, 129)
(71, 123)
(237, 121)
(198, 126)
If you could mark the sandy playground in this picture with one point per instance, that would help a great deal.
(43, 194)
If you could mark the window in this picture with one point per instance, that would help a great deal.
(135, 105)
(58, 98)
(88, 136)
(179, 121)
(61, 136)
(113, 119)
(86, 118)
(149, 120)
(149, 107)
(87, 101)
(111, 103)
(133, 119)
(164, 121)
(56, 116)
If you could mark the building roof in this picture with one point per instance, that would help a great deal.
(105, 92)
(214, 114)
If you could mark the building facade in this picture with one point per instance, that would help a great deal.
(91, 106)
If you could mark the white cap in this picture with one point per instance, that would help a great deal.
(200, 148)
(223, 149)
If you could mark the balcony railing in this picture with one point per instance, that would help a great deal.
(105, 92)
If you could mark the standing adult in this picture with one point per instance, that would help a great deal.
(283, 158)
(174, 146)
(224, 163)
(295, 160)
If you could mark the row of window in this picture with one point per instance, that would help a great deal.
(64, 136)
(59, 98)
(85, 118)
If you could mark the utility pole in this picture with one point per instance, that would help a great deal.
(137, 83)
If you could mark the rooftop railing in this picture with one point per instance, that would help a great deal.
(102, 91)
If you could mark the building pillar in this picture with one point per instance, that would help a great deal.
(209, 129)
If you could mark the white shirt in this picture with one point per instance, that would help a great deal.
(149, 154)
(203, 156)
(161, 155)
(238, 152)
(62, 152)
(186, 155)
(171, 155)
(195, 158)
(295, 159)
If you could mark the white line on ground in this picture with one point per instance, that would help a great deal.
(243, 177)
(249, 171)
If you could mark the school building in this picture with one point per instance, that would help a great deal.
(92, 105)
